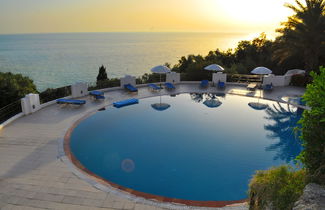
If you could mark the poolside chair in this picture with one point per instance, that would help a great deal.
(130, 88)
(70, 101)
(268, 87)
(169, 86)
(221, 84)
(154, 87)
(97, 94)
(126, 102)
(252, 86)
(204, 83)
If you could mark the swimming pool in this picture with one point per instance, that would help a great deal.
(192, 150)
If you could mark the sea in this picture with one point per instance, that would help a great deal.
(55, 60)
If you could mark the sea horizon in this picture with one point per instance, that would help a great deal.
(99, 32)
(53, 60)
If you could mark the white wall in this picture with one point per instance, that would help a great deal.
(30, 103)
(219, 76)
(173, 77)
(127, 80)
(79, 89)
(276, 80)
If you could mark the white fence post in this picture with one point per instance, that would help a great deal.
(219, 76)
(30, 103)
(173, 77)
(127, 80)
(79, 89)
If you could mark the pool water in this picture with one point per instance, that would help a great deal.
(189, 150)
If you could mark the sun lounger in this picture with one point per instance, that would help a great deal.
(97, 94)
(130, 88)
(221, 84)
(154, 87)
(70, 101)
(126, 102)
(252, 86)
(169, 85)
(204, 83)
(268, 87)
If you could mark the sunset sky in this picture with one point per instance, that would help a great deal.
(48, 16)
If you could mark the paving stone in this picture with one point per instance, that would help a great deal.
(128, 205)
(72, 200)
(92, 202)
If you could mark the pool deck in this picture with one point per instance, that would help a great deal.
(34, 176)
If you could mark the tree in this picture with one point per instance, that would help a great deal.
(313, 132)
(102, 75)
(303, 35)
(13, 87)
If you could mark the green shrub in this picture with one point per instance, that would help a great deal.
(101, 84)
(299, 80)
(277, 188)
(313, 129)
(150, 78)
(14, 87)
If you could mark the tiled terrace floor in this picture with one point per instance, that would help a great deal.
(33, 177)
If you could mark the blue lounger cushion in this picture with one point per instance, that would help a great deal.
(268, 87)
(131, 88)
(221, 84)
(169, 85)
(99, 97)
(204, 83)
(126, 102)
(154, 86)
(70, 101)
(97, 94)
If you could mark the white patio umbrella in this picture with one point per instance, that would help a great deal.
(214, 67)
(160, 70)
(261, 70)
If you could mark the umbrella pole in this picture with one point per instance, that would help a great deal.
(160, 79)
(160, 88)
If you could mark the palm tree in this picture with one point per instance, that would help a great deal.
(303, 35)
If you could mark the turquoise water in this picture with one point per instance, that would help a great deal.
(188, 151)
(55, 60)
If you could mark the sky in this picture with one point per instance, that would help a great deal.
(58, 16)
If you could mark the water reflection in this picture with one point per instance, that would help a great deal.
(200, 97)
(283, 119)
(160, 106)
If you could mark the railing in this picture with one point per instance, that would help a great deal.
(10, 110)
(150, 78)
(104, 84)
(244, 78)
(52, 94)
